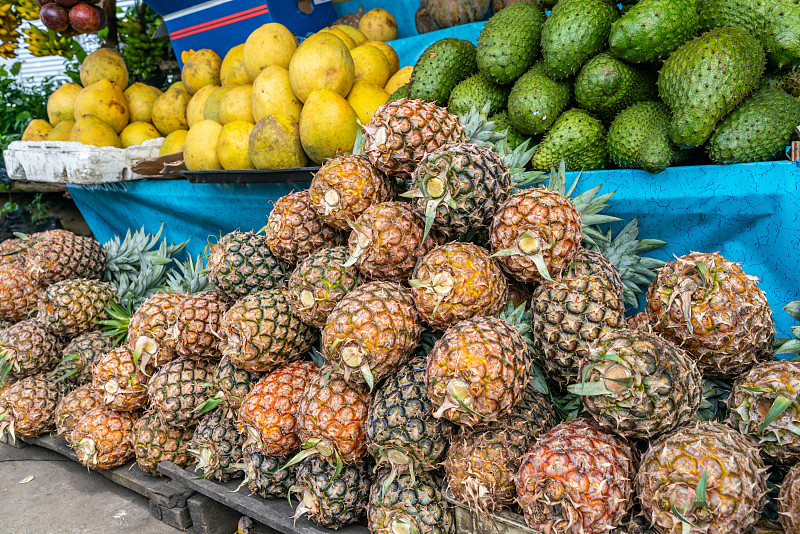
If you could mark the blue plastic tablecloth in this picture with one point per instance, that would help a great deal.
(747, 212)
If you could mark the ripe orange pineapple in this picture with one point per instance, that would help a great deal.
(72, 407)
(75, 306)
(103, 438)
(148, 329)
(121, 381)
(28, 407)
(27, 348)
(61, 255)
(197, 329)
(19, 293)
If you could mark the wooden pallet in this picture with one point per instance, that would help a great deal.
(16, 443)
(168, 497)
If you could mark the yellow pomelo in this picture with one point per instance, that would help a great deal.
(61, 104)
(378, 25)
(232, 146)
(232, 71)
(236, 105)
(169, 110)
(195, 111)
(354, 33)
(105, 100)
(186, 54)
(399, 79)
(107, 64)
(90, 130)
(200, 147)
(137, 133)
(201, 69)
(321, 62)
(271, 44)
(211, 109)
(365, 98)
(173, 142)
(61, 131)
(273, 95)
(37, 130)
(371, 65)
(346, 39)
(389, 52)
(328, 125)
(275, 144)
(140, 99)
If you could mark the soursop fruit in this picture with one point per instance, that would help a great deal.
(639, 138)
(788, 81)
(653, 29)
(475, 92)
(574, 32)
(706, 78)
(579, 138)
(502, 124)
(758, 130)
(400, 92)
(509, 42)
(536, 101)
(606, 85)
(439, 69)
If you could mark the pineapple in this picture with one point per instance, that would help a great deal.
(387, 240)
(13, 251)
(260, 332)
(265, 475)
(593, 263)
(639, 321)
(477, 371)
(62, 255)
(103, 438)
(234, 384)
(294, 230)
(319, 282)
(72, 407)
(714, 310)
(567, 316)
(401, 132)
(700, 479)
(148, 329)
(26, 348)
(408, 503)
(19, 293)
(154, 442)
(457, 281)
(576, 479)
(198, 326)
(331, 497)
(268, 413)
(121, 381)
(241, 263)
(765, 405)
(217, 445)
(789, 501)
(638, 384)
(519, 293)
(72, 307)
(372, 331)
(28, 407)
(80, 355)
(346, 186)
(766, 526)
(178, 388)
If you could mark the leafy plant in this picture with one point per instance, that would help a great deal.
(20, 102)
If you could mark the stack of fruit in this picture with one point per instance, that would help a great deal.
(72, 17)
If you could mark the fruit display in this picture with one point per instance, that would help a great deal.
(71, 17)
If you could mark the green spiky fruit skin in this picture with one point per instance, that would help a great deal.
(672, 467)
(503, 125)
(653, 29)
(265, 475)
(705, 79)
(415, 501)
(241, 263)
(475, 182)
(401, 420)
(665, 391)
(789, 499)
(441, 66)
(536, 101)
(234, 383)
(575, 31)
(578, 138)
(592, 263)
(509, 42)
(154, 442)
(28, 348)
(336, 500)
(475, 92)
(28, 407)
(217, 445)
(753, 396)
(606, 85)
(639, 138)
(400, 92)
(758, 130)
(178, 388)
(73, 307)
(86, 349)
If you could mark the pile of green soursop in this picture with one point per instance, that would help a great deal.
(642, 86)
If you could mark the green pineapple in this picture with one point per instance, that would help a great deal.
(217, 445)
(265, 475)
(72, 307)
(241, 263)
(26, 348)
(178, 388)
(80, 355)
(155, 442)
(408, 503)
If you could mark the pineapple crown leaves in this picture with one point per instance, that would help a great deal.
(117, 325)
(69, 358)
(188, 277)
(317, 446)
(530, 246)
(360, 142)
(517, 161)
(790, 345)
(479, 129)
(599, 388)
(138, 247)
(713, 406)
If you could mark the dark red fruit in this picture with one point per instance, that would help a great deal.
(43, 2)
(87, 18)
(54, 17)
(68, 3)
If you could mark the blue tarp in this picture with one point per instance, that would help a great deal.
(747, 212)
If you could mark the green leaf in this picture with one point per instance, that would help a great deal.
(589, 389)
(700, 497)
(779, 406)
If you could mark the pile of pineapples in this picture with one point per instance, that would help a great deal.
(415, 327)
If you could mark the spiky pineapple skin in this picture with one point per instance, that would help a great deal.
(346, 186)
(103, 438)
(789, 501)
(547, 216)
(567, 316)
(577, 479)
(415, 501)
(401, 132)
(593, 263)
(241, 263)
(198, 325)
(217, 445)
(64, 256)
(19, 293)
(151, 324)
(751, 399)
(673, 465)
(729, 325)
(233, 383)
(319, 282)
(178, 388)
(478, 285)
(154, 442)
(262, 333)
(29, 406)
(29, 347)
(72, 307)
(265, 476)
(120, 382)
(72, 407)
(486, 356)
(13, 251)
(377, 325)
(81, 354)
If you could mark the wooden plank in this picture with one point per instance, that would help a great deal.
(212, 517)
(16, 443)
